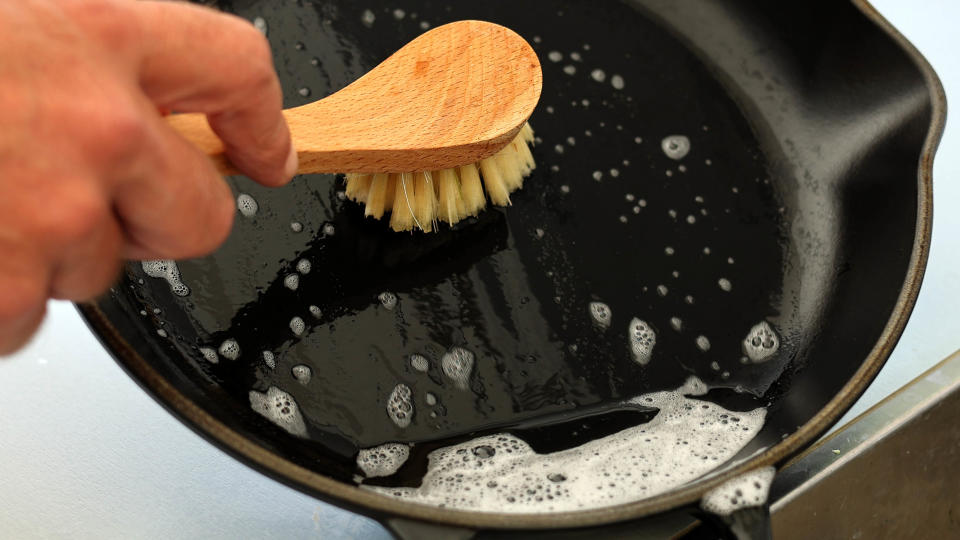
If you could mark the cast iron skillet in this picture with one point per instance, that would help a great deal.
(807, 186)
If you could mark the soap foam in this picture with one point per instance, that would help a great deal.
(501, 473)
(761, 343)
(601, 314)
(400, 405)
(382, 460)
(209, 355)
(166, 269)
(388, 300)
(230, 349)
(457, 364)
(302, 373)
(280, 408)
(419, 362)
(642, 341)
(745, 491)
(675, 146)
(247, 205)
(297, 326)
(269, 359)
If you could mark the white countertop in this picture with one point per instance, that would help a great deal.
(85, 453)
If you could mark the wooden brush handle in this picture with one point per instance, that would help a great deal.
(454, 95)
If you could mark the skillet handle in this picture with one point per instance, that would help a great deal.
(408, 529)
(745, 524)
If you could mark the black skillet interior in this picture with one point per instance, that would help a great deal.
(607, 216)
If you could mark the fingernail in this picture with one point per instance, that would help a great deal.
(293, 162)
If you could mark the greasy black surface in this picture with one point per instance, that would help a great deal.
(517, 298)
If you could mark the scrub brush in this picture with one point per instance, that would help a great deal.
(451, 106)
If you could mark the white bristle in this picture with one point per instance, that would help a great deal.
(376, 199)
(425, 204)
(471, 189)
(448, 191)
(418, 200)
(401, 218)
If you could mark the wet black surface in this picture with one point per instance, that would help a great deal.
(651, 239)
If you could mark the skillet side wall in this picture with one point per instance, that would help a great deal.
(842, 114)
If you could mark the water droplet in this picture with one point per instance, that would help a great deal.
(304, 266)
(247, 205)
(703, 343)
(617, 82)
(457, 364)
(569, 69)
(388, 300)
(761, 342)
(555, 56)
(399, 14)
(676, 323)
(260, 24)
(598, 75)
(315, 311)
(400, 405)
(291, 281)
(296, 226)
(597, 175)
(725, 284)
(675, 146)
(269, 359)
(209, 355)
(642, 341)
(419, 362)
(601, 314)
(368, 18)
(230, 349)
(302, 373)
(303, 91)
(297, 326)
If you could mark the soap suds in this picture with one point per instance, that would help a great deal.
(280, 408)
(501, 473)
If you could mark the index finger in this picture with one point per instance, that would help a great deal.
(195, 59)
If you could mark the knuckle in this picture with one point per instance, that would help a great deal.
(125, 128)
(79, 213)
(22, 298)
(255, 53)
(107, 20)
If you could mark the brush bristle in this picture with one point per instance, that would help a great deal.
(418, 200)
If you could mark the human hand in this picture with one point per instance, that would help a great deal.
(90, 174)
